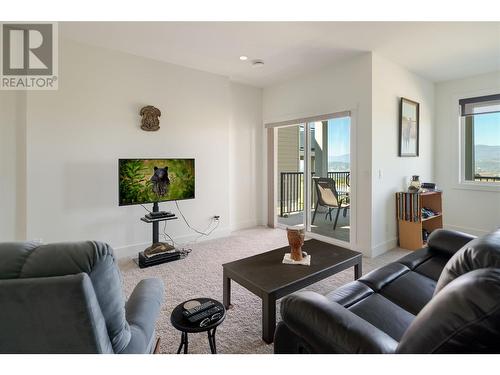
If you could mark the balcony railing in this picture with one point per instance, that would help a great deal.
(478, 177)
(291, 187)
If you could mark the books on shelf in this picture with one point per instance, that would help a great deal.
(408, 206)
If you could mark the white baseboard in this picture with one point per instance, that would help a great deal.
(244, 225)
(384, 247)
(132, 250)
(473, 231)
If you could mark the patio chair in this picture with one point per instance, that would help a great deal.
(328, 197)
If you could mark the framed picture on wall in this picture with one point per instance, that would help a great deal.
(409, 113)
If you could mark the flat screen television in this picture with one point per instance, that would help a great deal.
(142, 181)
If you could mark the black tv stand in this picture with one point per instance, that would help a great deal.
(156, 221)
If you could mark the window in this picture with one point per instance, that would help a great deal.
(480, 119)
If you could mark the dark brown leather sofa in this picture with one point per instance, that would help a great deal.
(444, 298)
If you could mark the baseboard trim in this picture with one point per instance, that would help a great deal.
(473, 231)
(128, 251)
(244, 225)
(384, 247)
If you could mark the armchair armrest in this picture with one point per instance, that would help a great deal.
(142, 310)
(328, 327)
(448, 241)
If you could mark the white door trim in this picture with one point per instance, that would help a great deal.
(353, 238)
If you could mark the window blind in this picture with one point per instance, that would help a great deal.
(480, 105)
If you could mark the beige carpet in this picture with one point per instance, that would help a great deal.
(200, 275)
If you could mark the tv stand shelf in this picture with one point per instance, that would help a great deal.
(148, 220)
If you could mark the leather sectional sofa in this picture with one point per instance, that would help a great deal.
(444, 298)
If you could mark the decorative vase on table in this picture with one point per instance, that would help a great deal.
(296, 240)
(414, 184)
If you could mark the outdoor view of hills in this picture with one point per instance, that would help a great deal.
(339, 163)
(487, 160)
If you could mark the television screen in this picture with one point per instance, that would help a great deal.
(155, 180)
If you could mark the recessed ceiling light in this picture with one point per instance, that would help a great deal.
(243, 58)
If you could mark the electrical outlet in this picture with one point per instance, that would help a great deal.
(216, 217)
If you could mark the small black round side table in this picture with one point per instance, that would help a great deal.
(182, 324)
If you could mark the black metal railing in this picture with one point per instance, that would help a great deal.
(291, 189)
(478, 177)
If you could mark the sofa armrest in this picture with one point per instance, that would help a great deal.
(448, 241)
(142, 310)
(328, 327)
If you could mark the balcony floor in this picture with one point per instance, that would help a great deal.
(322, 225)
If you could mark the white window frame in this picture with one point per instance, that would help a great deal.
(459, 152)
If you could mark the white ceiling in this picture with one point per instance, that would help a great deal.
(438, 51)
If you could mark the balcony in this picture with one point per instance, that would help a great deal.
(291, 204)
(480, 178)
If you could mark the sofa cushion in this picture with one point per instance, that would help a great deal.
(448, 242)
(432, 267)
(463, 318)
(480, 253)
(416, 258)
(383, 314)
(378, 278)
(349, 294)
(410, 291)
(95, 259)
(14, 254)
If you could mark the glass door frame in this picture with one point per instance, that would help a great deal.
(306, 122)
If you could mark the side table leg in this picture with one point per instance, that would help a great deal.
(358, 271)
(268, 318)
(211, 340)
(184, 343)
(226, 290)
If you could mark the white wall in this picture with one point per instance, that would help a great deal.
(245, 156)
(390, 83)
(372, 86)
(12, 165)
(472, 211)
(344, 86)
(75, 136)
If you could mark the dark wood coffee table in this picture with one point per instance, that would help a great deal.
(265, 276)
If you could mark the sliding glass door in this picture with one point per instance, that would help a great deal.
(330, 161)
(313, 166)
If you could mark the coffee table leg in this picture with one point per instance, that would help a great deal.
(358, 271)
(226, 288)
(268, 318)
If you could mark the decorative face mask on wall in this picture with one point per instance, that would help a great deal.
(150, 118)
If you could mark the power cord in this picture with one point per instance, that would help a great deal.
(184, 247)
(214, 219)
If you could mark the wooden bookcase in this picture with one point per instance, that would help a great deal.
(409, 215)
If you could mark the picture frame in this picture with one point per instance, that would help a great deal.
(409, 128)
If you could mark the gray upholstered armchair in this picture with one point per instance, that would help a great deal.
(68, 298)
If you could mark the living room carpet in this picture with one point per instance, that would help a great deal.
(200, 275)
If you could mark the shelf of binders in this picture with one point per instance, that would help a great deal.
(411, 224)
